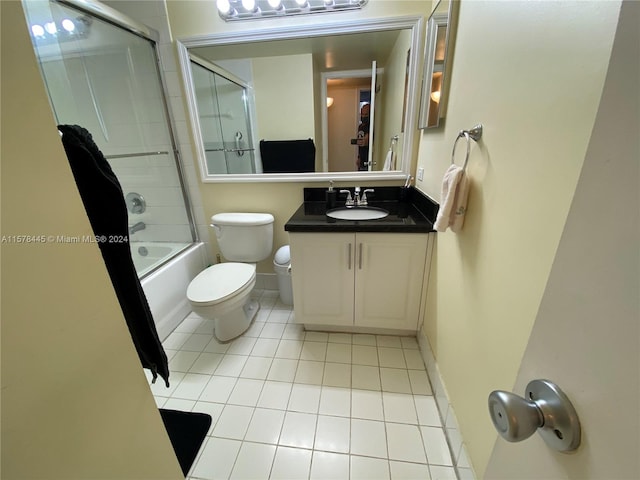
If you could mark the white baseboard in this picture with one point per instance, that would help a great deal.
(461, 463)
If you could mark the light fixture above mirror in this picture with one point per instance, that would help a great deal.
(231, 10)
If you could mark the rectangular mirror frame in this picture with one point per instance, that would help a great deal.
(414, 23)
(437, 21)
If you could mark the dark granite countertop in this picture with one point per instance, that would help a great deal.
(414, 213)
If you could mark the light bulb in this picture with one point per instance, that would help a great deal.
(301, 3)
(223, 6)
(68, 25)
(435, 96)
(249, 5)
(275, 4)
(329, 101)
(37, 30)
(51, 28)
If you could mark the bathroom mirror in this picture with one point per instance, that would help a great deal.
(290, 85)
(439, 47)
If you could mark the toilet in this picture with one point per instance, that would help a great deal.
(222, 291)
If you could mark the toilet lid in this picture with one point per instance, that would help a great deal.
(219, 282)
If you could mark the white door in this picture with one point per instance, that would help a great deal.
(586, 336)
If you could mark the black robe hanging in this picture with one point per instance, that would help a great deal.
(107, 211)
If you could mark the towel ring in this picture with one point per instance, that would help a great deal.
(474, 134)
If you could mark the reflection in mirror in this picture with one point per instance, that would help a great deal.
(223, 113)
(349, 138)
(300, 92)
(438, 53)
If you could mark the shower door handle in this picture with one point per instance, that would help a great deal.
(239, 149)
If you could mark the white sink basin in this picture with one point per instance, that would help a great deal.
(357, 213)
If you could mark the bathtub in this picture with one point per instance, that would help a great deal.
(166, 286)
(149, 255)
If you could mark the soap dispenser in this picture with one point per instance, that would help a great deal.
(331, 196)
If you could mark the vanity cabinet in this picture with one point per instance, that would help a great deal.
(372, 280)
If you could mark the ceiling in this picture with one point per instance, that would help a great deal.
(335, 52)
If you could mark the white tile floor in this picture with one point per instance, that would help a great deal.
(290, 404)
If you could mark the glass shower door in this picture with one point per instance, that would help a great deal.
(224, 122)
(106, 79)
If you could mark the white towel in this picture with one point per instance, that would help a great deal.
(453, 200)
(460, 204)
(388, 161)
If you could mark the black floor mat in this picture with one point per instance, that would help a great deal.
(187, 431)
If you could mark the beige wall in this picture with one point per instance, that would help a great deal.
(586, 336)
(283, 89)
(75, 400)
(532, 73)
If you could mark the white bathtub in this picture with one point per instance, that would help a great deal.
(166, 287)
(149, 255)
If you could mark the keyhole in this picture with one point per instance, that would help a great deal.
(558, 434)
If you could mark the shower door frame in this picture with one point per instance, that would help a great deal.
(256, 162)
(118, 19)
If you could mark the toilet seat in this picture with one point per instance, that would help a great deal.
(221, 282)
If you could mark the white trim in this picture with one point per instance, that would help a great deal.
(302, 31)
(457, 449)
(106, 13)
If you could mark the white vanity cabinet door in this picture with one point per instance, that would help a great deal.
(389, 276)
(371, 280)
(323, 277)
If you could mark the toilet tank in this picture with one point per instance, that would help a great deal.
(244, 237)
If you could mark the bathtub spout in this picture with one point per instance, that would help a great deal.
(136, 228)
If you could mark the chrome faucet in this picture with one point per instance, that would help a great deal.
(357, 200)
(363, 200)
(136, 227)
(349, 202)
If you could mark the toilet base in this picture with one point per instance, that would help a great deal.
(231, 325)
